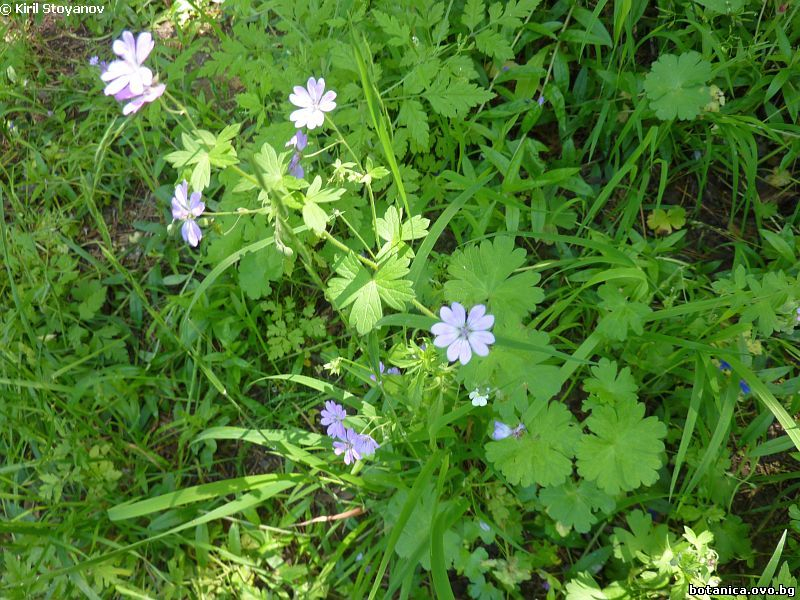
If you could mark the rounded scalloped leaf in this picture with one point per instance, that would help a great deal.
(676, 85)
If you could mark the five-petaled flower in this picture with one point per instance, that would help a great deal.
(461, 334)
(312, 102)
(350, 445)
(477, 398)
(187, 208)
(366, 445)
(502, 431)
(332, 416)
(129, 71)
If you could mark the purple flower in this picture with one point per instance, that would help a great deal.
(744, 386)
(349, 446)
(540, 100)
(187, 210)
(128, 71)
(295, 168)
(150, 94)
(332, 416)
(502, 431)
(94, 61)
(299, 141)
(797, 318)
(382, 367)
(461, 334)
(312, 102)
(724, 365)
(366, 445)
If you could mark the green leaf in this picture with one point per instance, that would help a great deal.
(623, 315)
(365, 291)
(91, 296)
(315, 192)
(314, 217)
(391, 230)
(662, 221)
(584, 587)
(392, 288)
(609, 387)
(514, 361)
(573, 504)
(676, 85)
(723, 7)
(421, 76)
(624, 450)
(515, 11)
(455, 98)
(257, 269)
(785, 579)
(642, 537)
(542, 454)
(494, 44)
(203, 150)
(270, 167)
(201, 174)
(473, 13)
(484, 274)
(413, 117)
(399, 35)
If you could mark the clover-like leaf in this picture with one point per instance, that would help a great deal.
(676, 85)
(664, 221)
(624, 450)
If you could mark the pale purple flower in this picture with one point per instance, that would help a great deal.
(461, 334)
(382, 367)
(312, 102)
(137, 101)
(349, 446)
(366, 445)
(187, 209)
(295, 168)
(541, 100)
(502, 431)
(332, 416)
(797, 317)
(299, 141)
(128, 71)
(94, 61)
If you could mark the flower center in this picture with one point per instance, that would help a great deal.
(463, 331)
